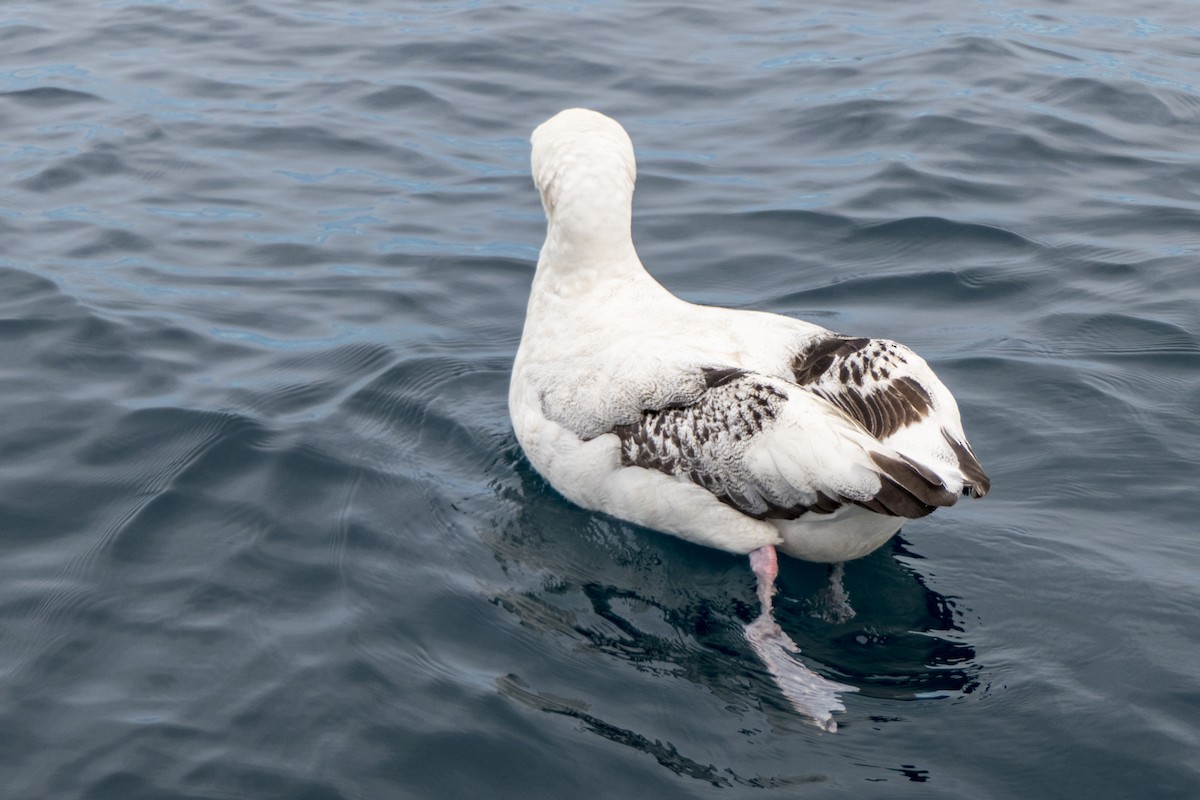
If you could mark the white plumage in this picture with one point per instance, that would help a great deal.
(736, 429)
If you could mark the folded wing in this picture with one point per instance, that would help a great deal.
(894, 395)
(774, 450)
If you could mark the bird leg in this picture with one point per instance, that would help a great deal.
(765, 564)
(809, 693)
(832, 603)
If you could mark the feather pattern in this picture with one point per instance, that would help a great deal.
(869, 379)
(885, 387)
(709, 442)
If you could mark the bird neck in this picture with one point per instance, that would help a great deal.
(571, 267)
(599, 241)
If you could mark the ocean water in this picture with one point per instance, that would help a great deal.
(266, 531)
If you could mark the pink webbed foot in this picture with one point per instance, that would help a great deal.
(810, 694)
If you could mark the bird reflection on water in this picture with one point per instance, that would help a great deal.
(676, 611)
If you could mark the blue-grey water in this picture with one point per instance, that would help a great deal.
(266, 531)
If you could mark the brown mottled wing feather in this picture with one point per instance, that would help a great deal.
(866, 379)
(705, 442)
(881, 385)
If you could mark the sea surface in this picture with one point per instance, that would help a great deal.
(265, 530)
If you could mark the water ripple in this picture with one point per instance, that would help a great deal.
(268, 532)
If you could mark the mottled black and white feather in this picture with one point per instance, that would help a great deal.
(772, 450)
(869, 379)
(886, 388)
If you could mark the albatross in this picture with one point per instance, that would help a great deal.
(742, 430)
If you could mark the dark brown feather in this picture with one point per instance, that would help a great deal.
(907, 489)
(978, 483)
(834, 367)
(816, 361)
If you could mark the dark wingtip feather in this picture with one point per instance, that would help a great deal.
(978, 483)
(907, 489)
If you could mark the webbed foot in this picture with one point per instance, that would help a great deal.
(813, 696)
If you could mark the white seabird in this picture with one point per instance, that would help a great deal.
(741, 430)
